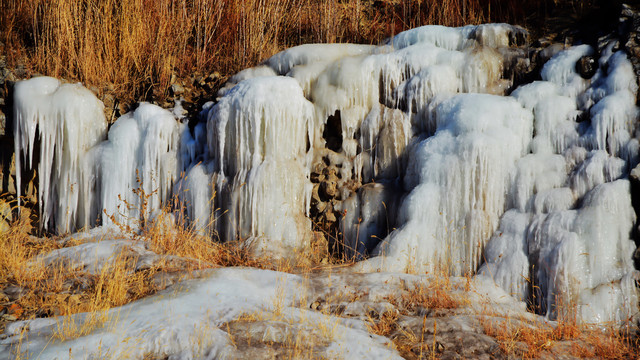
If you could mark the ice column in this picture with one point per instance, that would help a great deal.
(259, 136)
(66, 120)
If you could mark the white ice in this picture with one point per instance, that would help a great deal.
(190, 320)
(518, 183)
(66, 120)
(140, 153)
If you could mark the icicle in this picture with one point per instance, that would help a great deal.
(140, 153)
(257, 137)
(67, 119)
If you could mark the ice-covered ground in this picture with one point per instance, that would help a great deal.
(244, 312)
(530, 189)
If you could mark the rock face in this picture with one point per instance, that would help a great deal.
(629, 33)
(6, 138)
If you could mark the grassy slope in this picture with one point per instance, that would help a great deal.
(132, 47)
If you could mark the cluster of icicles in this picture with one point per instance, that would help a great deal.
(510, 187)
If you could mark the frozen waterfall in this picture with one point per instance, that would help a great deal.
(432, 162)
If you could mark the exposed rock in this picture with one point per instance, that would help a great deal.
(4, 226)
(629, 33)
(3, 121)
(328, 189)
(176, 89)
(14, 292)
(587, 66)
(330, 217)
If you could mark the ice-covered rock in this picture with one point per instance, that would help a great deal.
(139, 154)
(458, 180)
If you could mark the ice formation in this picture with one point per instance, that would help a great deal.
(87, 176)
(65, 120)
(437, 168)
(257, 138)
(140, 153)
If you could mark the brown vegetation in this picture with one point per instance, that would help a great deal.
(41, 290)
(132, 47)
(527, 339)
(38, 289)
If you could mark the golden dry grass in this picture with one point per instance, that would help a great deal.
(59, 289)
(611, 342)
(133, 47)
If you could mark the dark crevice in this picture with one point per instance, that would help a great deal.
(332, 133)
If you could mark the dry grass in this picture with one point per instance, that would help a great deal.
(386, 323)
(608, 344)
(528, 339)
(437, 293)
(432, 299)
(133, 47)
(58, 288)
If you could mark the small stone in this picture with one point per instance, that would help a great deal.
(587, 66)
(9, 318)
(14, 292)
(177, 89)
(330, 217)
(328, 189)
(321, 207)
(330, 171)
(316, 178)
(317, 305)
